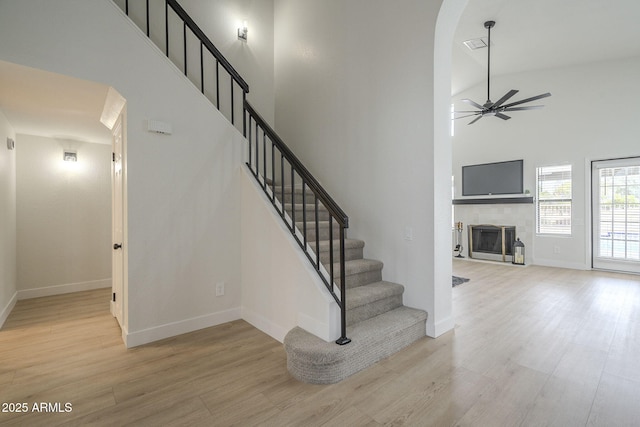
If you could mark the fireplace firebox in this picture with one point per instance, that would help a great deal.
(491, 242)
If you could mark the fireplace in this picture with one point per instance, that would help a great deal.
(491, 242)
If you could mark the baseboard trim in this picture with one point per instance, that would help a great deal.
(168, 330)
(560, 264)
(265, 325)
(4, 314)
(63, 289)
(441, 327)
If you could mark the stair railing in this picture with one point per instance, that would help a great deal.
(194, 53)
(261, 137)
(281, 174)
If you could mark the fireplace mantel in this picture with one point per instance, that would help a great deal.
(492, 201)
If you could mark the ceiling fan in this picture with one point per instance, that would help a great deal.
(499, 107)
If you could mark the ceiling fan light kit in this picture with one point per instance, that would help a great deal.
(499, 107)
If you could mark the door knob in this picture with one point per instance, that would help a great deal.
(117, 245)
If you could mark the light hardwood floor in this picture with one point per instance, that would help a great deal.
(532, 346)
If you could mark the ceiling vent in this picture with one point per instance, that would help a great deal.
(475, 44)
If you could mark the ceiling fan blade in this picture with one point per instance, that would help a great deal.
(508, 95)
(530, 107)
(503, 116)
(533, 98)
(475, 104)
(468, 115)
(475, 120)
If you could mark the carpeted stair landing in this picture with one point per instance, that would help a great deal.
(378, 323)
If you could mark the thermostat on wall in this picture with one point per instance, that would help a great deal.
(10, 144)
(159, 127)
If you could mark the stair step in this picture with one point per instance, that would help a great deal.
(323, 229)
(313, 360)
(360, 272)
(296, 192)
(310, 208)
(365, 302)
(353, 249)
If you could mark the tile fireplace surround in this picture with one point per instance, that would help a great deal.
(522, 216)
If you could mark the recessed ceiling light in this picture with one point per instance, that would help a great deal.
(474, 44)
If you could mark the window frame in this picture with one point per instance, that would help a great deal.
(544, 230)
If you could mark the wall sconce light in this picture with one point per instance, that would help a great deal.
(10, 144)
(70, 156)
(242, 31)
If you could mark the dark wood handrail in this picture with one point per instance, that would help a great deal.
(208, 44)
(309, 179)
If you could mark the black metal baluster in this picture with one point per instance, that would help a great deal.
(217, 84)
(201, 69)
(273, 172)
(293, 202)
(249, 140)
(147, 18)
(304, 214)
(166, 26)
(282, 182)
(232, 107)
(343, 294)
(184, 45)
(244, 115)
(264, 159)
(126, 7)
(317, 235)
(257, 154)
(330, 250)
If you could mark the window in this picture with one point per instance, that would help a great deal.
(553, 201)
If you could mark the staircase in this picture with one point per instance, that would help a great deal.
(374, 322)
(378, 324)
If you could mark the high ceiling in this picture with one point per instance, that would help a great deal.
(528, 35)
(539, 34)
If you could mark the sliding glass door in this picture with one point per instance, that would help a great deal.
(616, 214)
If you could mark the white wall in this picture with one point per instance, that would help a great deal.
(254, 59)
(591, 115)
(280, 288)
(219, 20)
(183, 189)
(355, 101)
(64, 216)
(8, 281)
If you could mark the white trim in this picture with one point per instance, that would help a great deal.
(445, 325)
(63, 289)
(270, 328)
(560, 264)
(168, 330)
(4, 314)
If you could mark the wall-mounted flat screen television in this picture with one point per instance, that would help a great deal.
(493, 178)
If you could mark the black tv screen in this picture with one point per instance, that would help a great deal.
(492, 178)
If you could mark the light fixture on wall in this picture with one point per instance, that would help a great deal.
(10, 144)
(70, 156)
(243, 30)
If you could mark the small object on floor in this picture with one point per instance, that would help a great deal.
(455, 280)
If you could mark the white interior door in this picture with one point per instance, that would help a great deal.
(117, 263)
(616, 214)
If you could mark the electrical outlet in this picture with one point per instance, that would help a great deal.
(220, 289)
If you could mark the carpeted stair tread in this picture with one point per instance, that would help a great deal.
(359, 272)
(356, 266)
(367, 294)
(348, 244)
(371, 300)
(312, 360)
